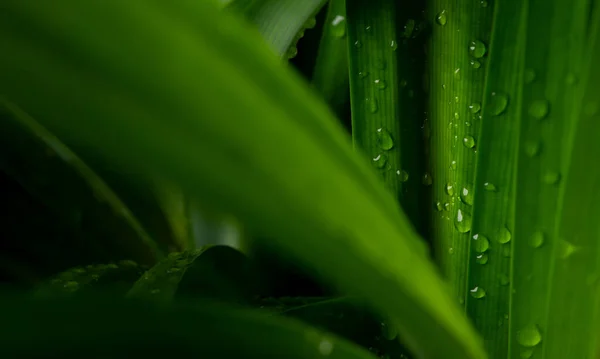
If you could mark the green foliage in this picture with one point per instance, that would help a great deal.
(461, 224)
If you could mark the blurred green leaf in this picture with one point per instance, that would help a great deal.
(172, 113)
(122, 329)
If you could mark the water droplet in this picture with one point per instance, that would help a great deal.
(384, 139)
(477, 49)
(477, 292)
(551, 177)
(490, 187)
(526, 353)
(380, 84)
(338, 26)
(466, 195)
(446, 206)
(503, 279)
(441, 18)
(453, 165)
(469, 141)
(475, 64)
(467, 123)
(539, 109)
(529, 76)
(394, 45)
(463, 221)
(529, 336)
(363, 74)
(380, 160)
(451, 250)
(439, 206)
(532, 148)
(369, 29)
(504, 235)
(402, 175)
(409, 27)
(506, 250)
(456, 116)
(481, 258)
(357, 44)
(449, 189)
(325, 347)
(480, 243)
(498, 103)
(427, 180)
(372, 105)
(457, 74)
(475, 107)
(566, 249)
(537, 239)
(388, 331)
(484, 3)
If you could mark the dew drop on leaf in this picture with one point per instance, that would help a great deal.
(325, 347)
(475, 107)
(529, 336)
(565, 249)
(503, 279)
(446, 206)
(506, 250)
(427, 180)
(388, 330)
(477, 49)
(338, 26)
(469, 141)
(380, 160)
(498, 103)
(481, 258)
(402, 175)
(439, 206)
(475, 64)
(526, 353)
(484, 3)
(457, 75)
(441, 18)
(463, 221)
(453, 165)
(477, 292)
(529, 76)
(394, 45)
(409, 27)
(480, 243)
(532, 148)
(384, 139)
(449, 189)
(490, 187)
(551, 177)
(466, 195)
(380, 84)
(539, 109)
(372, 105)
(537, 239)
(504, 235)
(363, 74)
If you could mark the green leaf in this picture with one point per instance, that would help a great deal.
(276, 159)
(330, 75)
(117, 278)
(54, 175)
(281, 22)
(495, 193)
(217, 272)
(122, 329)
(458, 61)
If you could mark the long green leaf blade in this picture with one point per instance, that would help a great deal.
(493, 211)
(119, 329)
(171, 113)
(457, 66)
